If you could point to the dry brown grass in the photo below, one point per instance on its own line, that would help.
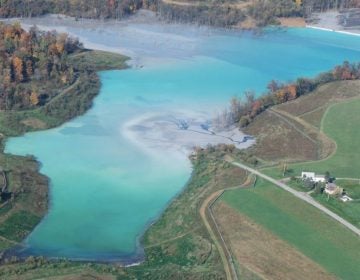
(324, 95)
(326, 146)
(277, 139)
(248, 23)
(34, 123)
(314, 117)
(263, 253)
(291, 131)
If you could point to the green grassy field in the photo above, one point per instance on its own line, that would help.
(18, 225)
(350, 211)
(99, 60)
(341, 124)
(310, 231)
(352, 188)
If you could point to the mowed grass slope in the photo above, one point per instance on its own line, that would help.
(307, 229)
(341, 123)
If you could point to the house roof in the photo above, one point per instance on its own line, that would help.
(331, 186)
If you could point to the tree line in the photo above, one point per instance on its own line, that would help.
(77, 8)
(208, 12)
(242, 111)
(34, 65)
(324, 5)
(266, 12)
(218, 14)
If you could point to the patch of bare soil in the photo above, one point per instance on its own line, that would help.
(248, 23)
(34, 123)
(263, 253)
(292, 22)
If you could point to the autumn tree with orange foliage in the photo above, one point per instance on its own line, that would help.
(33, 59)
(76, 8)
(34, 98)
(18, 66)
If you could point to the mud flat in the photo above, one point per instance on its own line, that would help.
(181, 132)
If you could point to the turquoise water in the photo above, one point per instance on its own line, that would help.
(105, 188)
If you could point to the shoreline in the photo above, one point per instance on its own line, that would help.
(333, 30)
(331, 21)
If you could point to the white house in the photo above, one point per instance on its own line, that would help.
(311, 175)
(333, 189)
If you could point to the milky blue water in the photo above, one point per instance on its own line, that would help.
(105, 188)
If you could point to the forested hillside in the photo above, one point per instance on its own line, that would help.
(244, 13)
(33, 66)
(323, 5)
(243, 111)
(77, 8)
(209, 12)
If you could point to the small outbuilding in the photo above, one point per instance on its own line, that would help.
(346, 198)
(313, 177)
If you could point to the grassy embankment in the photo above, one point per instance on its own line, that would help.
(339, 122)
(317, 132)
(310, 231)
(26, 186)
(292, 133)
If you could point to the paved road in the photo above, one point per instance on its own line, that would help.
(303, 196)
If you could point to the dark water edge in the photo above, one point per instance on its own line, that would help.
(21, 253)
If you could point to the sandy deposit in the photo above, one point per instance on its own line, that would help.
(292, 21)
